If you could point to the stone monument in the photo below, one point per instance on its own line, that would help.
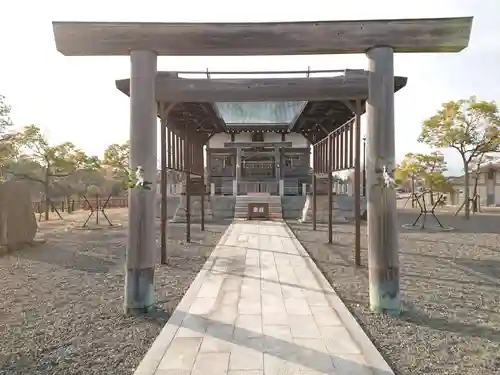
(18, 224)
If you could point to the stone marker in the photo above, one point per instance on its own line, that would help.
(18, 224)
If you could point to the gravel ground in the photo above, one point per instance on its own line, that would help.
(450, 287)
(61, 302)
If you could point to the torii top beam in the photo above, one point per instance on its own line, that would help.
(271, 38)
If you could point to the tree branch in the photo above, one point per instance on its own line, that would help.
(25, 176)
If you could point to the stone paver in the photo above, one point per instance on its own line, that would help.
(261, 307)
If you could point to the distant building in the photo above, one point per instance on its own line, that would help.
(488, 184)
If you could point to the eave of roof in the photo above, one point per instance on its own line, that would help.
(351, 86)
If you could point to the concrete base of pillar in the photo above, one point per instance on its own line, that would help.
(139, 290)
(180, 213)
(384, 295)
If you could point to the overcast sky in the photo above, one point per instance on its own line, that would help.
(74, 98)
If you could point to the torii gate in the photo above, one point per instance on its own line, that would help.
(378, 39)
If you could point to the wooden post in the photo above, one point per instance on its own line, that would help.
(173, 156)
(351, 145)
(383, 259)
(336, 143)
(163, 188)
(238, 171)
(180, 154)
(357, 185)
(209, 166)
(188, 207)
(168, 141)
(203, 206)
(343, 151)
(204, 187)
(187, 169)
(331, 162)
(314, 200)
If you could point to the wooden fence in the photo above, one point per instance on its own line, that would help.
(81, 204)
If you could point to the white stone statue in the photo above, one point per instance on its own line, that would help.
(388, 179)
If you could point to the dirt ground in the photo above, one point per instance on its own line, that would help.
(61, 302)
(449, 285)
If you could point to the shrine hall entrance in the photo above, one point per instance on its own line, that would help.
(258, 172)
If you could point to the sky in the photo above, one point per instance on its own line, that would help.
(75, 99)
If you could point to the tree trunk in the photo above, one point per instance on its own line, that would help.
(47, 208)
(412, 191)
(474, 194)
(46, 192)
(466, 190)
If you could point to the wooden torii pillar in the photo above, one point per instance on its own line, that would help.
(141, 243)
(383, 260)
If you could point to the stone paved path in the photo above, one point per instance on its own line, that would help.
(261, 306)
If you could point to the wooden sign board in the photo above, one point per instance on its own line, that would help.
(196, 186)
(258, 211)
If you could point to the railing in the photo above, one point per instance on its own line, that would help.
(174, 189)
(119, 202)
(307, 73)
(292, 190)
(271, 187)
(335, 152)
(223, 190)
(80, 204)
(258, 165)
(222, 172)
(258, 173)
(296, 171)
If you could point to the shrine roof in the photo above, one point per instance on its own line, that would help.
(312, 106)
(259, 114)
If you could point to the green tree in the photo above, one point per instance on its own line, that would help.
(5, 119)
(426, 170)
(408, 171)
(117, 155)
(7, 138)
(469, 126)
(116, 158)
(432, 167)
(46, 164)
(441, 184)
